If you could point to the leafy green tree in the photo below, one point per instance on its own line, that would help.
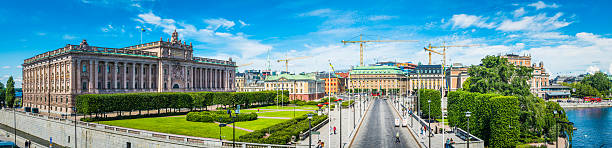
(583, 90)
(2, 95)
(497, 75)
(434, 96)
(598, 81)
(504, 121)
(10, 92)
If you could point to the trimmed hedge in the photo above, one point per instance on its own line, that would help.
(281, 133)
(219, 116)
(436, 103)
(504, 121)
(104, 103)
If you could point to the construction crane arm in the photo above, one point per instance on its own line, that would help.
(433, 51)
(247, 64)
(454, 46)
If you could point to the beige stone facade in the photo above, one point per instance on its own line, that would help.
(387, 78)
(52, 80)
(301, 87)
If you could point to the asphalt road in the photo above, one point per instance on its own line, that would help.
(378, 129)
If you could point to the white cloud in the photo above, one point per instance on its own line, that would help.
(465, 21)
(538, 22)
(6, 67)
(215, 24)
(547, 35)
(68, 37)
(19, 66)
(318, 12)
(41, 33)
(589, 53)
(381, 17)
(242, 23)
(592, 69)
(541, 5)
(226, 44)
(519, 12)
(610, 69)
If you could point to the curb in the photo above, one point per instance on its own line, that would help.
(409, 130)
(360, 122)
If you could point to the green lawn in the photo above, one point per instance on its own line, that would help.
(177, 125)
(259, 123)
(286, 114)
(305, 107)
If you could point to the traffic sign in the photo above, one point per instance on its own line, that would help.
(315, 132)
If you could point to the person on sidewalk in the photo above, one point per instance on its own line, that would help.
(330, 131)
(397, 138)
(334, 130)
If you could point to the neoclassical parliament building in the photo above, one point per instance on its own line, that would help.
(52, 80)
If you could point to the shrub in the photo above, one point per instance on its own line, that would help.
(281, 133)
(219, 116)
(434, 96)
(504, 121)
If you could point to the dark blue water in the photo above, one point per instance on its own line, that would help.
(594, 126)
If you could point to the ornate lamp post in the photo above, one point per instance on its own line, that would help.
(555, 116)
(309, 130)
(468, 114)
(429, 121)
(340, 107)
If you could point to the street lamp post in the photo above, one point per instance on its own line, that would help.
(15, 123)
(309, 130)
(340, 107)
(555, 114)
(74, 109)
(468, 114)
(429, 120)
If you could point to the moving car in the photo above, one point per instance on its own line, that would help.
(397, 122)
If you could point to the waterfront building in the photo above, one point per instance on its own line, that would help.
(305, 87)
(556, 91)
(540, 76)
(378, 78)
(52, 80)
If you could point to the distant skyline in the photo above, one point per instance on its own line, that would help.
(570, 37)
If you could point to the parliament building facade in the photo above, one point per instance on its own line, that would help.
(52, 80)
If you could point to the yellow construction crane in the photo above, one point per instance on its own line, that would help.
(361, 41)
(430, 50)
(290, 59)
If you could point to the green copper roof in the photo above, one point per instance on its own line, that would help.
(376, 70)
(290, 77)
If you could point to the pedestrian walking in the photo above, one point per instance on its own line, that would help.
(258, 110)
(397, 139)
(330, 131)
(334, 130)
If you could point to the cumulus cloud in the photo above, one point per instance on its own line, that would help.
(541, 5)
(592, 69)
(69, 37)
(215, 24)
(538, 22)
(318, 12)
(465, 21)
(610, 69)
(547, 35)
(519, 12)
(225, 43)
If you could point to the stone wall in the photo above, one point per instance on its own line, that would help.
(96, 135)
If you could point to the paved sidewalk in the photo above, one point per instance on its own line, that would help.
(348, 124)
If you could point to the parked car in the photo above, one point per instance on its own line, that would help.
(405, 123)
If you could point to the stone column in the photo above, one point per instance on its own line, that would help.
(133, 84)
(95, 71)
(184, 69)
(201, 78)
(150, 84)
(78, 76)
(124, 76)
(105, 75)
(90, 79)
(142, 75)
(160, 76)
(115, 72)
(169, 84)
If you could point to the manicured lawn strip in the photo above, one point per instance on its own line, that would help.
(177, 125)
(259, 123)
(287, 114)
(305, 107)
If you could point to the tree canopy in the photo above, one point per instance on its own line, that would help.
(598, 81)
(497, 75)
(10, 92)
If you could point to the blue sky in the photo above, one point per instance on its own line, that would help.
(570, 37)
